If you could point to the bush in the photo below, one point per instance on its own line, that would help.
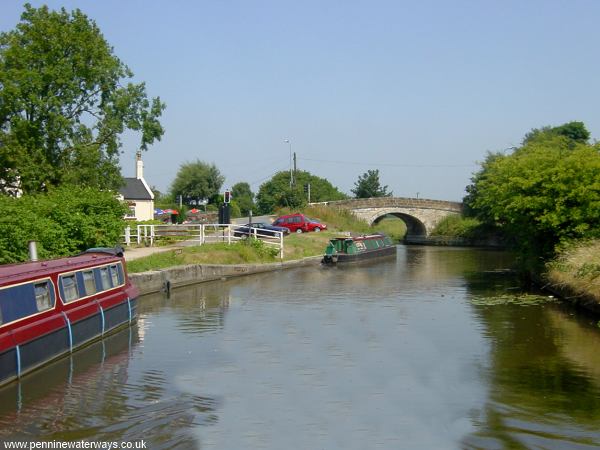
(260, 248)
(65, 221)
(457, 226)
(545, 193)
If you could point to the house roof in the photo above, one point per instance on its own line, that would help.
(135, 189)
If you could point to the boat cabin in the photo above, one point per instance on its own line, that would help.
(356, 245)
(49, 308)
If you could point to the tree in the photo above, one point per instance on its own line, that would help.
(64, 103)
(243, 197)
(368, 186)
(277, 193)
(197, 180)
(545, 193)
(64, 221)
(574, 131)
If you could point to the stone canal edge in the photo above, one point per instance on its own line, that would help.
(167, 279)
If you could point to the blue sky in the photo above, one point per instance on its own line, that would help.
(418, 90)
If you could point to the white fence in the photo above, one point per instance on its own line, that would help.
(200, 234)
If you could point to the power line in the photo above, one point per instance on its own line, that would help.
(267, 177)
(385, 164)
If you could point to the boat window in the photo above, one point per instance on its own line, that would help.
(43, 297)
(105, 278)
(69, 287)
(121, 274)
(17, 302)
(114, 275)
(89, 282)
(349, 247)
(360, 245)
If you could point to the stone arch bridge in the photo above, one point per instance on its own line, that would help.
(420, 215)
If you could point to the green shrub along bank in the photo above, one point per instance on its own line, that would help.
(458, 226)
(542, 195)
(64, 221)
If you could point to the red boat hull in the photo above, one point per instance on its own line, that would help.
(30, 337)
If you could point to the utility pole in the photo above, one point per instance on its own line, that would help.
(294, 181)
(287, 141)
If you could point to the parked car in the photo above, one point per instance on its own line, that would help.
(299, 223)
(263, 229)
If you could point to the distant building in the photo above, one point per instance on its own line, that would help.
(137, 194)
(12, 189)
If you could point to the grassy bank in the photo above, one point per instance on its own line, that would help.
(577, 269)
(296, 246)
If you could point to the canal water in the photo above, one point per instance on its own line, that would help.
(435, 349)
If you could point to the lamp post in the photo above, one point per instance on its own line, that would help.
(287, 141)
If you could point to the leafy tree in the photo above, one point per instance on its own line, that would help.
(368, 186)
(234, 209)
(64, 221)
(574, 131)
(277, 193)
(64, 103)
(545, 193)
(197, 180)
(243, 197)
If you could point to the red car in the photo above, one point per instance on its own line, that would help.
(299, 223)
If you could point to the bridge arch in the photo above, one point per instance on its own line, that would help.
(414, 227)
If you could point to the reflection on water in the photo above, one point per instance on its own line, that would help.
(402, 353)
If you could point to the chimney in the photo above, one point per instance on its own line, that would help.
(139, 165)
(33, 256)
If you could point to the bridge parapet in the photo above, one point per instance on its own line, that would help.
(401, 202)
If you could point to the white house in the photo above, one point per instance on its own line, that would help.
(137, 194)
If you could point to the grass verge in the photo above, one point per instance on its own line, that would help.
(296, 246)
(577, 268)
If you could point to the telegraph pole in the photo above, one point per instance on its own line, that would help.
(294, 181)
(287, 141)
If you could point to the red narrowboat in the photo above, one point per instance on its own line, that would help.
(50, 308)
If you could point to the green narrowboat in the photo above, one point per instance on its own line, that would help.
(349, 249)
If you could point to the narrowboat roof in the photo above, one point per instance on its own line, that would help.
(11, 273)
(360, 238)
